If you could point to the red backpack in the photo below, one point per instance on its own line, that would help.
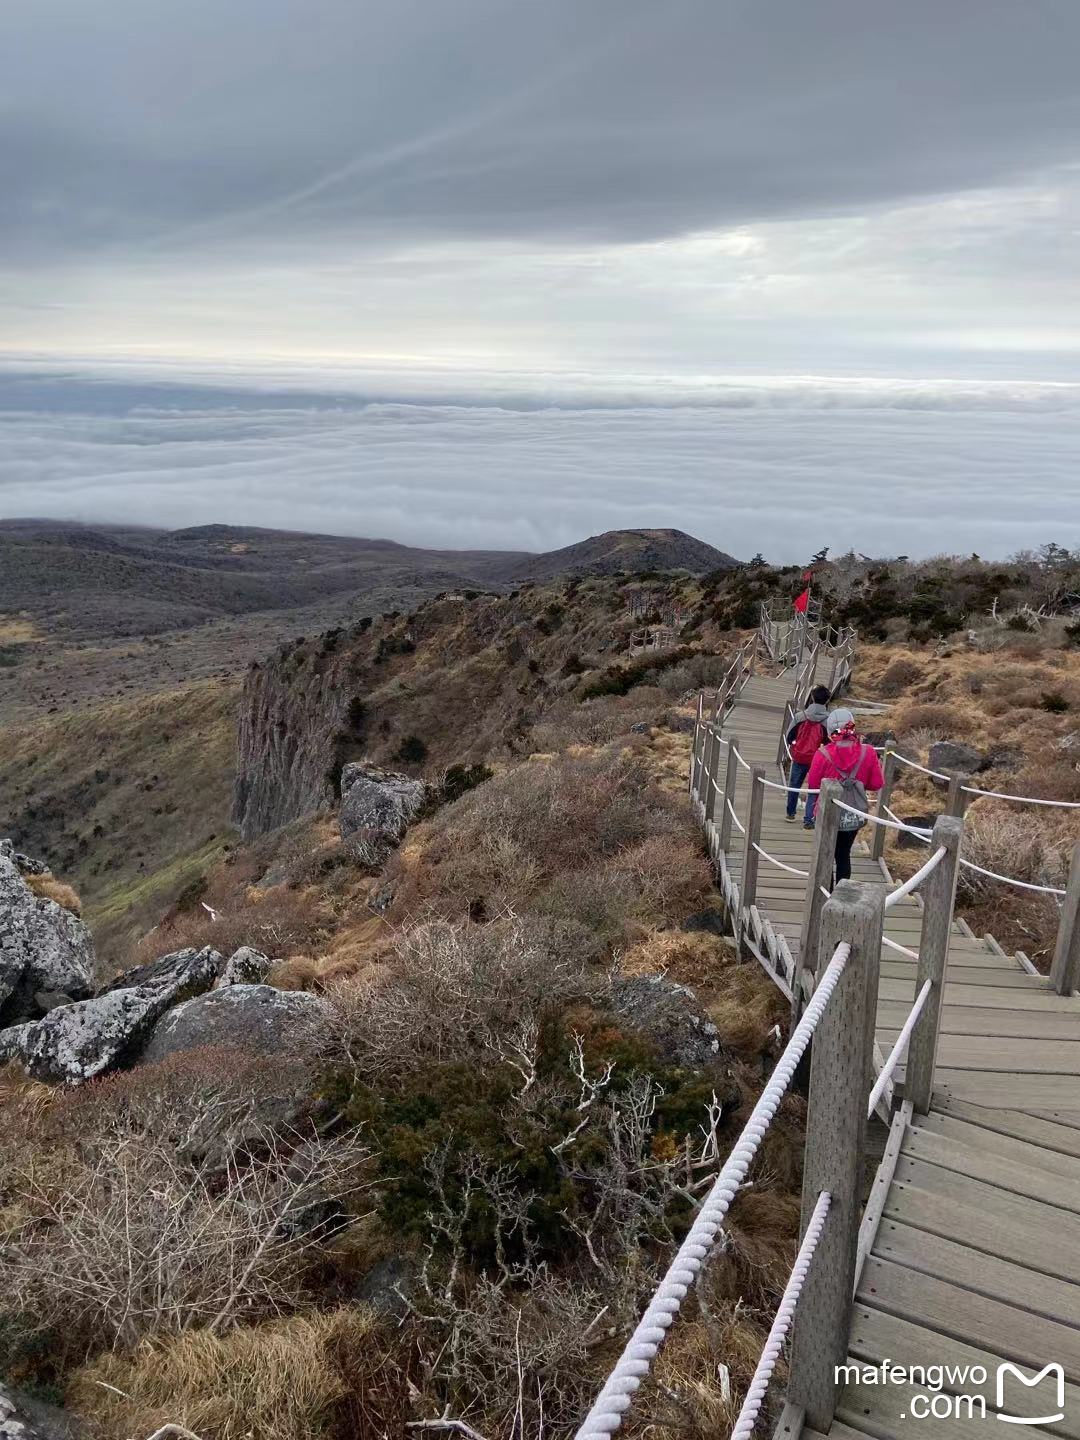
(809, 739)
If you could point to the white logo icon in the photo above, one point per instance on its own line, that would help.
(1055, 1370)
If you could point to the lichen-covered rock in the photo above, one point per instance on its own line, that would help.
(952, 755)
(77, 1042)
(378, 803)
(245, 967)
(253, 1017)
(42, 945)
(669, 1015)
(24, 1418)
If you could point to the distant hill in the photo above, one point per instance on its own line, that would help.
(113, 581)
(630, 550)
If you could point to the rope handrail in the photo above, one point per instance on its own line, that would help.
(979, 793)
(759, 1385)
(1009, 880)
(796, 789)
(1020, 799)
(802, 874)
(914, 765)
(877, 819)
(634, 1363)
(914, 881)
(923, 834)
(735, 819)
(900, 1046)
(901, 949)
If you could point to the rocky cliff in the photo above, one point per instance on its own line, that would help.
(460, 681)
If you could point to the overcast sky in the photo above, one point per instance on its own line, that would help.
(595, 195)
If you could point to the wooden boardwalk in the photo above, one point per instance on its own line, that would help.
(970, 1252)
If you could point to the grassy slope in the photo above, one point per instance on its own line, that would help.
(128, 800)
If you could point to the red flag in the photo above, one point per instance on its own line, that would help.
(802, 601)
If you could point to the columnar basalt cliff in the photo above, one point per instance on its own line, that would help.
(461, 681)
(384, 691)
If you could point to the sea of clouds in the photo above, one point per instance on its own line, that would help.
(782, 465)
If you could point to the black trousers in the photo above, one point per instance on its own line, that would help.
(845, 839)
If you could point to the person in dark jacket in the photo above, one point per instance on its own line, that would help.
(804, 739)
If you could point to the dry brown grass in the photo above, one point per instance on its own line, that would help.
(323, 1374)
(49, 888)
(746, 1010)
(695, 958)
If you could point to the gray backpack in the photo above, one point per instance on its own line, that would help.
(853, 793)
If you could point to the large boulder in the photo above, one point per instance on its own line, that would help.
(251, 1017)
(24, 1418)
(245, 967)
(669, 1015)
(952, 756)
(378, 803)
(43, 947)
(74, 1043)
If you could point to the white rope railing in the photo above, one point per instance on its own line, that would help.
(901, 949)
(900, 1045)
(1010, 880)
(877, 819)
(978, 793)
(802, 874)
(968, 864)
(759, 1385)
(790, 789)
(1020, 799)
(913, 882)
(636, 1359)
(735, 819)
(923, 835)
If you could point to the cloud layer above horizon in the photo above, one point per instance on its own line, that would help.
(839, 187)
(781, 467)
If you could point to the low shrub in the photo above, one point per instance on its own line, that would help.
(411, 751)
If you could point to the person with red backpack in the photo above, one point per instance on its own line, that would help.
(856, 766)
(804, 740)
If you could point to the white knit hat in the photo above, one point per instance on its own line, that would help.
(838, 719)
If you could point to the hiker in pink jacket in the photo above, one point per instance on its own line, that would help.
(847, 759)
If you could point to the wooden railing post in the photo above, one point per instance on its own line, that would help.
(877, 842)
(754, 809)
(938, 892)
(712, 768)
(835, 1147)
(781, 752)
(731, 774)
(1065, 971)
(955, 800)
(695, 758)
(822, 864)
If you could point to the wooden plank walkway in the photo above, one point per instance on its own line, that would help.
(976, 1257)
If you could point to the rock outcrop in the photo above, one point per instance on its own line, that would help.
(670, 1016)
(378, 803)
(952, 755)
(245, 967)
(74, 1043)
(43, 947)
(24, 1418)
(251, 1017)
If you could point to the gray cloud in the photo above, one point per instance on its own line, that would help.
(151, 124)
(883, 467)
